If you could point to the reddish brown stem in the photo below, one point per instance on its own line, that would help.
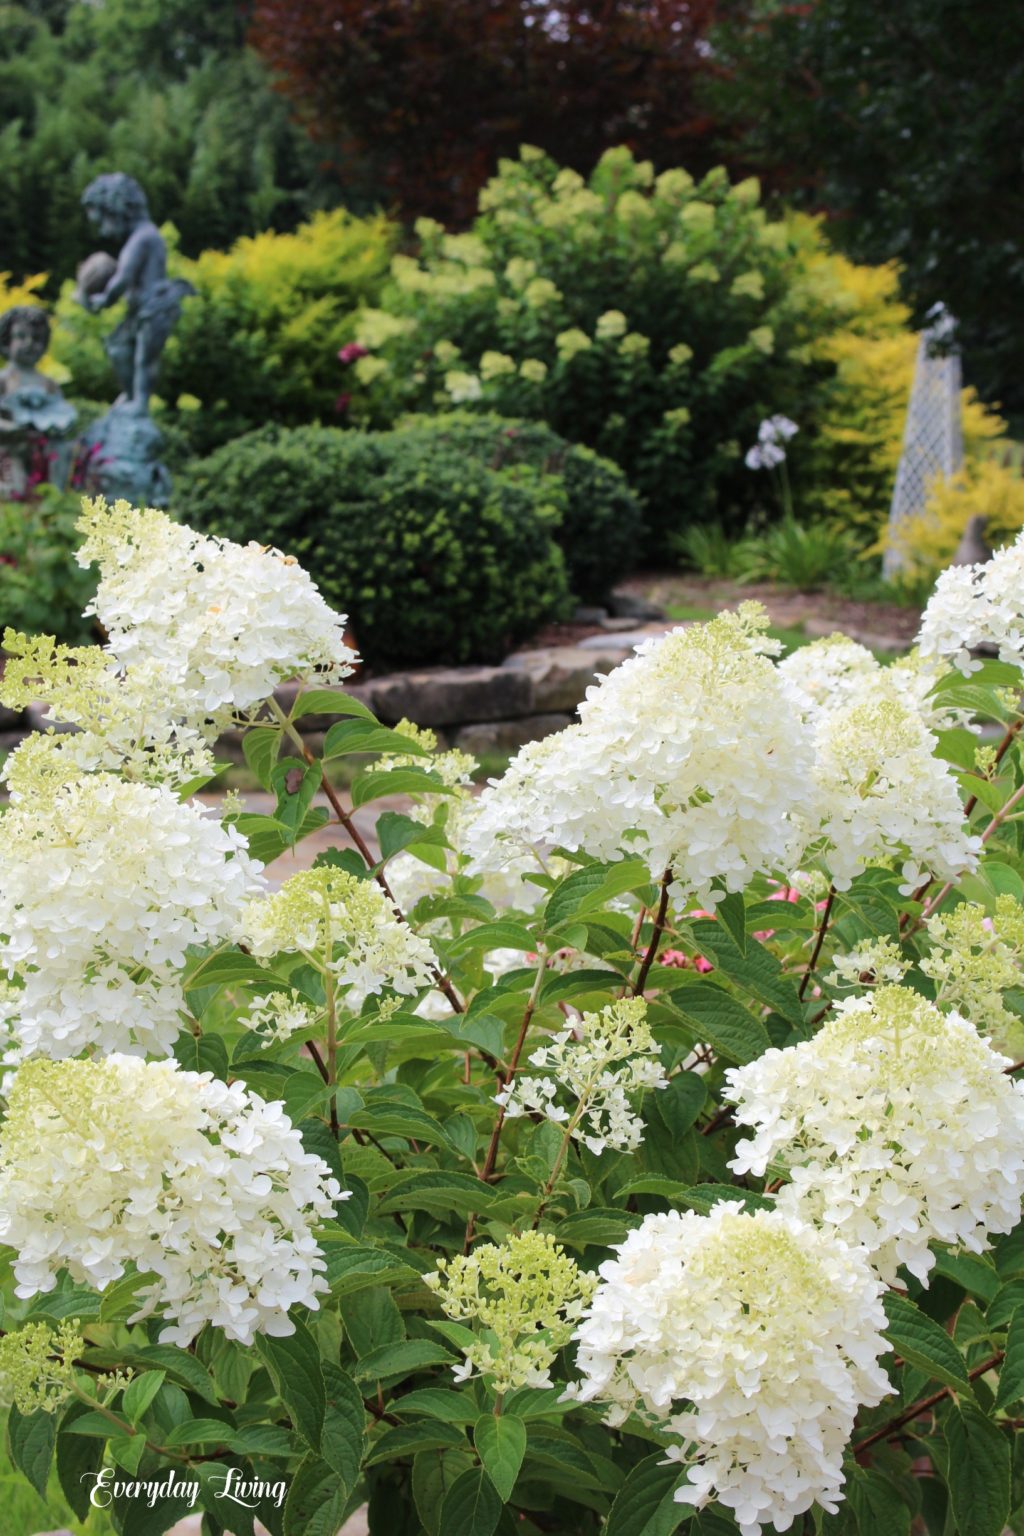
(656, 936)
(819, 941)
(916, 1409)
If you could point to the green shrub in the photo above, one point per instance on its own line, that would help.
(41, 587)
(259, 339)
(655, 319)
(435, 556)
(603, 520)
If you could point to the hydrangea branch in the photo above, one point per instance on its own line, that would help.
(656, 936)
(819, 941)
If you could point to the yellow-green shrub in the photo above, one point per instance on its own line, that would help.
(985, 487)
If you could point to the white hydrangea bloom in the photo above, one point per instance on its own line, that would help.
(344, 925)
(103, 889)
(116, 1162)
(880, 793)
(977, 605)
(872, 962)
(898, 1125)
(755, 1339)
(692, 753)
(829, 672)
(604, 1062)
(226, 621)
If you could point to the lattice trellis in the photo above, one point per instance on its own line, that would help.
(932, 439)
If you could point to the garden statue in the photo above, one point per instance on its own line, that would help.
(35, 419)
(124, 444)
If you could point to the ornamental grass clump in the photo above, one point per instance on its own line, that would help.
(627, 1146)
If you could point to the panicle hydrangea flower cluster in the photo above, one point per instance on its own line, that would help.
(130, 721)
(880, 793)
(276, 1016)
(692, 753)
(344, 925)
(36, 1365)
(768, 1329)
(604, 1062)
(977, 605)
(527, 1295)
(225, 621)
(120, 1161)
(898, 1127)
(871, 963)
(103, 888)
(974, 959)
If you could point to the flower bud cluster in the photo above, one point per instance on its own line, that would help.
(604, 1062)
(526, 1294)
(36, 1365)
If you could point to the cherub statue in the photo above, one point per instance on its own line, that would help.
(33, 412)
(116, 207)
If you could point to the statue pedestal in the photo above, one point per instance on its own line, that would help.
(121, 453)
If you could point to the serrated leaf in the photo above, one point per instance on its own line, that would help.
(923, 1343)
(472, 1506)
(200, 1432)
(294, 1366)
(396, 832)
(226, 968)
(730, 913)
(359, 735)
(501, 934)
(344, 1432)
(377, 782)
(260, 746)
(879, 1509)
(1011, 1374)
(979, 1471)
(77, 1459)
(600, 1227)
(501, 1445)
(436, 1403)
(721, 1021)
(591, 887)
(328, 701)
(679, 1105)
(439, 1191)
(384, 1116)
(31, 1438)
(315, 1504)
(295, 784)
(394, 1361)
(140, 1392)
(644, 1505)
(757, 971)
(413, 1439)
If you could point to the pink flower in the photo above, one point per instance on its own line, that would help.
(674, 957)
(702, 965)
(351, 352)
(342, 403)
(785, 893)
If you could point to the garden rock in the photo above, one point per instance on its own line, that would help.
(625, 640)
(629, 605)
(508, 735)
(448, 695)
(560, 675)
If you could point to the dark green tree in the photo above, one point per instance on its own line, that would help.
(165, 90)
(903, 122)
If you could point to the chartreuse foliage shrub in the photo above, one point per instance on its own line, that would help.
(259, 340)
(636, 1147)
(602, 518)
(438, 557)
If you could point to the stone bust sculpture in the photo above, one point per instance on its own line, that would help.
(116, 207)
(32, 407)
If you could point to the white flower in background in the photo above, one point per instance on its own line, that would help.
(898, 1125)
(977, 605)
(129, 721)
(768, 451)
(344, 925)
(526, 1293)
(226, 621)
(462, 387)
(103, 889)
(276, 1016)
(116, 1162)
(754, 1339)
(878, 792)
(691, 754)
(604, 1062)
(974, 959)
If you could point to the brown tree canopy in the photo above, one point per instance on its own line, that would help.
(428, 93)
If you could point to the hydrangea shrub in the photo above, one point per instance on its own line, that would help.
(634, 1147)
